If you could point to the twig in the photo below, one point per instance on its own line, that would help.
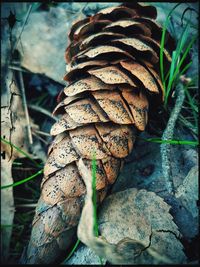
(40, 138)
(26, 18)
(33, 205)
(167, 135)
(42, 133)
(25, 108)
(12, 67)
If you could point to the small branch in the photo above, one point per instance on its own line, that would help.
(42, 133)
(33, 205)
(12, 67)
(25, 21)
(25, 108)
(167, 135)
(40, 138)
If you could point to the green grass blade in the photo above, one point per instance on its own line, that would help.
(162, 44)
(94, 167)
(171, 72)
(173, 142)
(185, 55)
(20, 151)
(185, 69)
(23, 181)
(182, 40)
(175, 58)
(189, 125)
(94, 170)
(73, 250)
(6, 225)
(174, 73)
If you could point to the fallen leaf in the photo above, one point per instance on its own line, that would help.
(36, 51)
(135, 231)
(187, 192)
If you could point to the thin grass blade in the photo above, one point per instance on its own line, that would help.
(20, 151)
(23, 181)
(173, 142)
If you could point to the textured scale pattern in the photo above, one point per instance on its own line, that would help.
(112, 70)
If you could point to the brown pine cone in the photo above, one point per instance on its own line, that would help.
(112, 71)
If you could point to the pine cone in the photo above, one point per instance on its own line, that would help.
(112, 72)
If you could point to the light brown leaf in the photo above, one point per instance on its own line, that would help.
(135, 231)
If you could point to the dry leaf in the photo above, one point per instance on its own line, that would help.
(132, 224)
(187, 192)
(14, 130)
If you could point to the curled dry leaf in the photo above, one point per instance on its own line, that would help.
(134, 230)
